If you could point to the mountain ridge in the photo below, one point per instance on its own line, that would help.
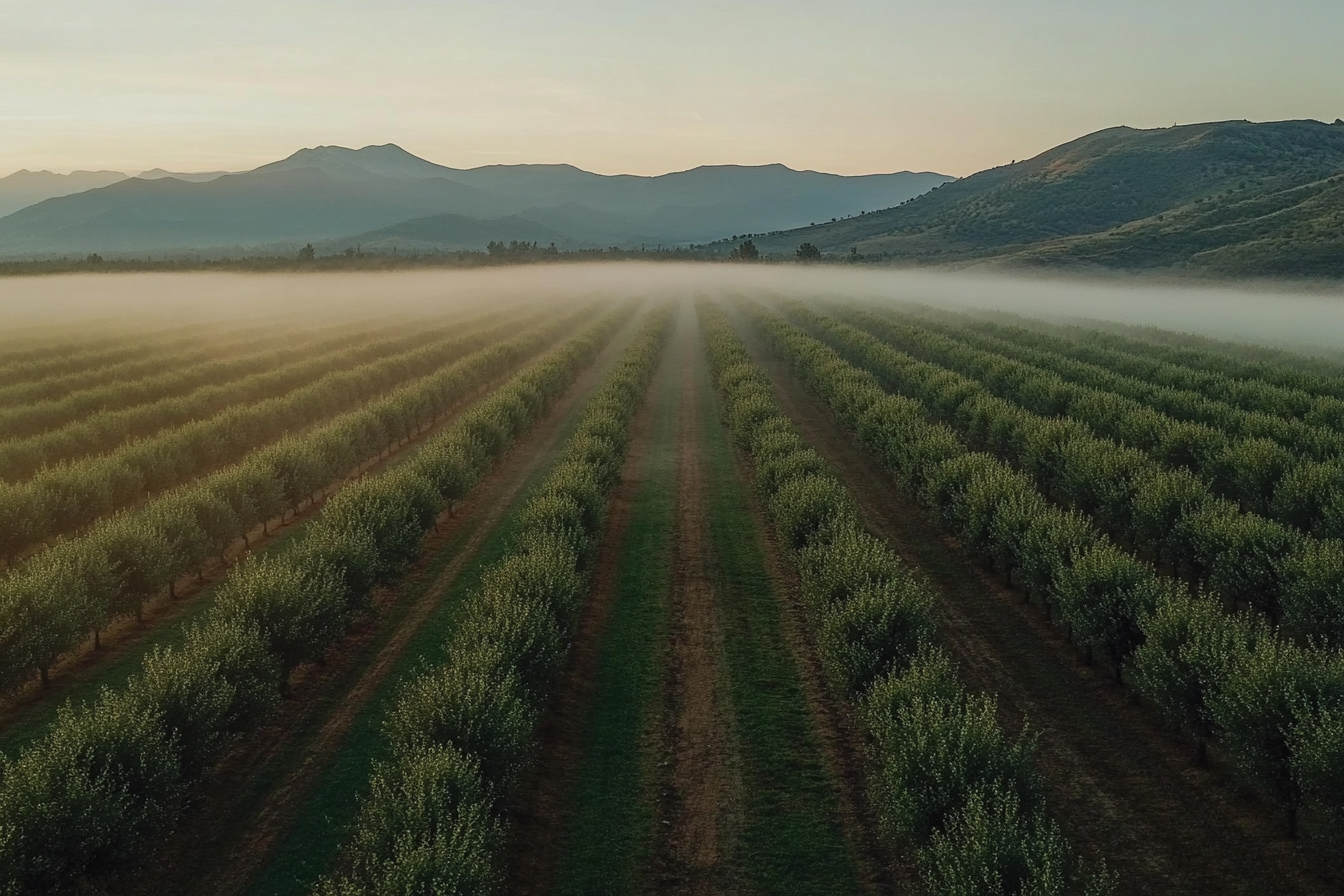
(329, 193)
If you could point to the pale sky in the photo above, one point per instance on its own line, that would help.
(856, 86)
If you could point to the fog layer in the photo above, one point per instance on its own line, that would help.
(28, 306)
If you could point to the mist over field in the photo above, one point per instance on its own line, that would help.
(1287, 315)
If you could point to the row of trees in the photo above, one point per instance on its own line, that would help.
(1313, 404)
(67, 498)
(1244, 557)
(54, 602)
(84, 359)
(221, 367)
(1276, 706)
(136, 358)
(110, 429)
(945, 776)
(1238, 360)
(1208, 422)
(1296, 420)
(1261, 475)
(432, 820)
(88, 798)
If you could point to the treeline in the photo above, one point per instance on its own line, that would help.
(60, 597)
(91, 796)
(432, 819)
(944, 776)
(364, 260)
(1275, 705)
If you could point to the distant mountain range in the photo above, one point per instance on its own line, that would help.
(385, 197)
(1232, 198)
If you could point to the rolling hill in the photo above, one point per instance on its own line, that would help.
(24, 188)
(334, 193)
(1226, 197)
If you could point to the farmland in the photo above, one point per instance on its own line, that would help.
(664, 584)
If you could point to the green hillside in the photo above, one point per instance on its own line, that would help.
(1228, 197)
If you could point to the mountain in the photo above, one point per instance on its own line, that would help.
(346, 195)
(196, 177)
(25, 188)
(1230, 197)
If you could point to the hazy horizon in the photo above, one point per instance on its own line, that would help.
(853, 87)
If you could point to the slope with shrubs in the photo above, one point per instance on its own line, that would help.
(945, 778)
(90, 797)
(431, 821)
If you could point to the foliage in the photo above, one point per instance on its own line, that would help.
(1232, 677)
(84, 800)
(461, 733)
(935, 747)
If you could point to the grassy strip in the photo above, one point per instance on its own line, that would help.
(609, 836)
(791, 839)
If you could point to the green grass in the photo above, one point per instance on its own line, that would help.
(791, 840)
(609, 836)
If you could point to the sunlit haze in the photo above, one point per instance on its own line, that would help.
(849, 87)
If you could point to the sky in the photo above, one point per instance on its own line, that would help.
(848, 86)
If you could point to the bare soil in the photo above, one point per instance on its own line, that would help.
(700, 805)
(1121, 786)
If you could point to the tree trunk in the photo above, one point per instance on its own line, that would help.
(97, 640)
(46, 678)
(1290, 819)
(1201, 752)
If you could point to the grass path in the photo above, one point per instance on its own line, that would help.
(789, 836)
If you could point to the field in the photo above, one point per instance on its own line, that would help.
(664, 585)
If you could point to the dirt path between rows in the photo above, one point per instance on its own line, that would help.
(700, 801)
(126, 634)
(539, 811)
(1121, 787)
(206, 858)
